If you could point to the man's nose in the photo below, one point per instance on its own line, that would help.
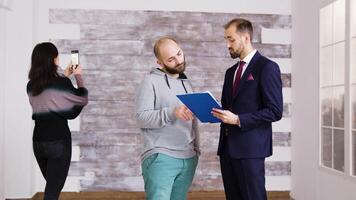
(178, 61)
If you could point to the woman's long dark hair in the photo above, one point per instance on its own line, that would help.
(43, 68)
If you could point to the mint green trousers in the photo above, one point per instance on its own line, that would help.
(168, 178)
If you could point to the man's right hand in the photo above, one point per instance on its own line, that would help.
(183, 113)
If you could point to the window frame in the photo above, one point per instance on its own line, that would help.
(349, 163)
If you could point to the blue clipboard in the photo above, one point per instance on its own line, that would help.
(201, 104)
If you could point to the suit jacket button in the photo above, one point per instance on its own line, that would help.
(226, 131)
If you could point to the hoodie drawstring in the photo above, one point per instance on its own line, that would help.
(185, 89)
(166, 78)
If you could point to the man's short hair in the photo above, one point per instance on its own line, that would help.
(158, 44)
(242, 25)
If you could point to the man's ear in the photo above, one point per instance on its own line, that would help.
(247, 38)
(159, 63)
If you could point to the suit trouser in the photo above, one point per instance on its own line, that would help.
(166, 177)
(244, 179)
(53, 159)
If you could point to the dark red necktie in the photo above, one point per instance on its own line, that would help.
(237, 78)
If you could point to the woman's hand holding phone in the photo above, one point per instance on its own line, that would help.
(74, 66)
(77, 70)
(69, 70)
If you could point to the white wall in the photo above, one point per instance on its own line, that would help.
(309, 181)
(26, 25)
(305, 100)
(16, 122)
(2, 64)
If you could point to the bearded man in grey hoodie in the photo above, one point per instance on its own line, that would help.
(169, 129)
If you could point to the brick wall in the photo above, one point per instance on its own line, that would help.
(116, 53)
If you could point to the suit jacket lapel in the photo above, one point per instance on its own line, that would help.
(248, 70)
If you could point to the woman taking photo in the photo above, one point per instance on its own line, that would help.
(54, 100)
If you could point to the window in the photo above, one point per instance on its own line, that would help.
(332, 84)
(337, 66)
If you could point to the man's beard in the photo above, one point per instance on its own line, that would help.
(178, 69)
(233, 53)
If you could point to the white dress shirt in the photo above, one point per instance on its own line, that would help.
(247, 61)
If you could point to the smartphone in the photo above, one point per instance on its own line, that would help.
(74, 54)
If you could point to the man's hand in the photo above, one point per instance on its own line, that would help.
(226, 116)
(183, 113)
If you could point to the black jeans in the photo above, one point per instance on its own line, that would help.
(53, 158)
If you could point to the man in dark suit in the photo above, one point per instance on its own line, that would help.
(251, 101)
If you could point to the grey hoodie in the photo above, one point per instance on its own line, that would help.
(162, 131)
